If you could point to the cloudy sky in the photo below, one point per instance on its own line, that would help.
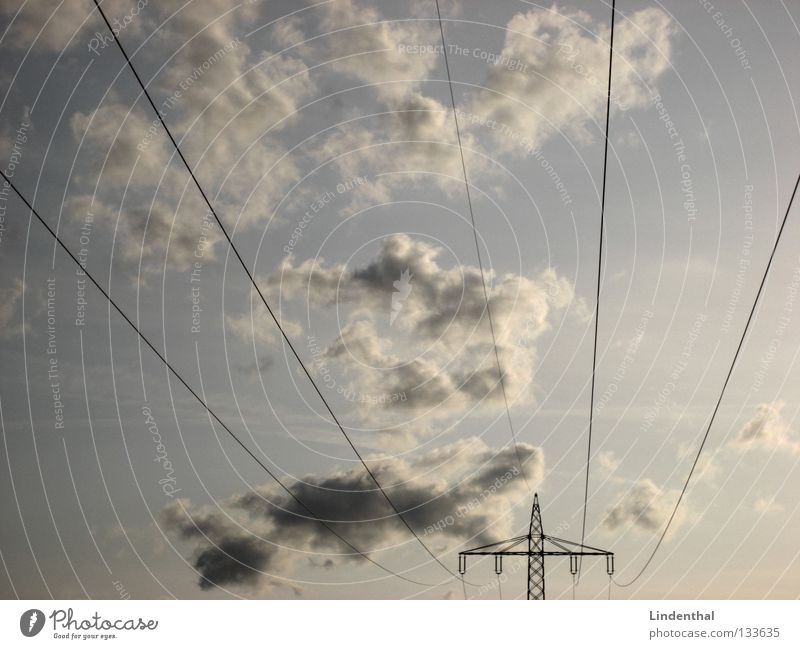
(324, 136)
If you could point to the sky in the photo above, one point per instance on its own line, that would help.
(323, 134)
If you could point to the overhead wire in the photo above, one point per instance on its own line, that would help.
(599, 281)
(722, 391)
(594, 354)
(477, 244)
(597, 302)
(199, 399)
(264, 300)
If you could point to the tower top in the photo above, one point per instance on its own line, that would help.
(536, 518)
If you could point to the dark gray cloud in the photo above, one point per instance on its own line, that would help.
(456, 493)
(223, 554)
(10, 318)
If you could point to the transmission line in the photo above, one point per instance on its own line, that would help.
(599, 277)
(211, 412)
(477, 245)
(722, 392)
(264, 300)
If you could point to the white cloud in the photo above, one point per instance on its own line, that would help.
(431, 357)
(153, 232)
(55, 26)
(767, 506)
(608, 462)
(644, 507)
(563, 86)
(111, 136)
(767, 429)
(708, 469)
(366, 47)
(413, 138)
(218, 95)
(260, 327)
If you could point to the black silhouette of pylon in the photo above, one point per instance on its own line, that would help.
(538, 547)
(536, 553)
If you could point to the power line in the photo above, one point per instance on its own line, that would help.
(263, 299)
(599, 277)
(180, 378)
(477, 245)
(722, 392)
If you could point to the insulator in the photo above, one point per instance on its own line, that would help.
(498, 563)
(462, 564)
(610, 564)
(573, 564)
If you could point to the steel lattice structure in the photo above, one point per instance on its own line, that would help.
(536, 545)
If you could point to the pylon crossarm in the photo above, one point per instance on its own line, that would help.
(564, 548)
(528, 553)
(593, 550)
(570, 553)
(508, 544)
(556, 543)
(499, 553)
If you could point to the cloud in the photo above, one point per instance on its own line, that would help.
(160, 214)
(223, 95)
(249, 327)
(456, 493)
(410, 143)
(444, 303)
(155, 231)
(708, 469)
(224, 555)
(411, 138)
(429, 352)
(644, 507)
(256, 367)
(608, 462)
(365, 46)
(111, 136)
(562, 85)
(218, 95)
(53, 27)
(767, 506)
(9, 297)
(767, 429)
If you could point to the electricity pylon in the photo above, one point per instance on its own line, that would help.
(538, 547)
